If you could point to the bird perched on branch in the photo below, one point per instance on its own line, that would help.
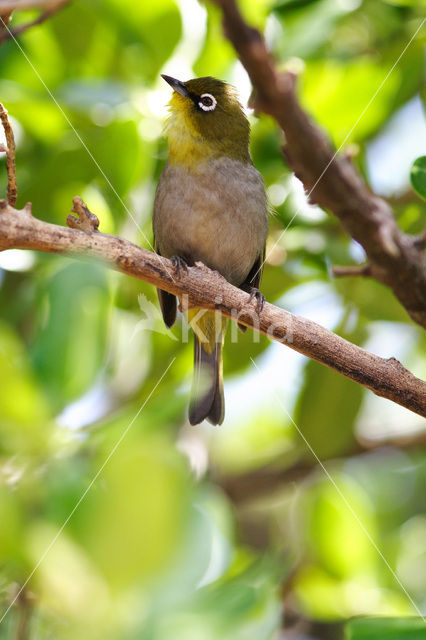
(210, 206)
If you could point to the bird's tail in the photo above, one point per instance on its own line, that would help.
(207, 400)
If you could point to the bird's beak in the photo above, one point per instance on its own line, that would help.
(177, 85)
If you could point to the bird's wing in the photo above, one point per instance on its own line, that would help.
(253, 279)
(255, 274)
(167, 300)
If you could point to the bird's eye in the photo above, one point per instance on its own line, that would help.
(207, 102)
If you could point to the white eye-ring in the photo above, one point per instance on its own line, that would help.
(207, 102)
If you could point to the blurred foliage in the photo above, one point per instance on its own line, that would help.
(402, 629)
(115, 508)
(418, 176)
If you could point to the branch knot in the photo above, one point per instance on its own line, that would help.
(86, 221)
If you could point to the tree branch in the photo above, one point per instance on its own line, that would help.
(396, 259)
(12, 189)
(363, 270)
(252, 484)
(24, 606)
(7, 7)
(201, 287)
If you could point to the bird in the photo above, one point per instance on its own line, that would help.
(210, 206)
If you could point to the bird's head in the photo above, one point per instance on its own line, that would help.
(206, 120)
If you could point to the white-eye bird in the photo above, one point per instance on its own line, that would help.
(210, 206)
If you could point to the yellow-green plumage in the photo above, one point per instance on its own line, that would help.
(210, 206)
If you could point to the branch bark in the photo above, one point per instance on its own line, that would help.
(7, 7)
(201, 287)
(12, 188)
(396, 259)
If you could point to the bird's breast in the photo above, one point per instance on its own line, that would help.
(216, 214)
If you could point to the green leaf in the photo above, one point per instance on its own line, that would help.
(214, 60)
(326, 85)
(373, 301)
(70, 344)
(418, 176)
(307, 28)
(387, 629)
(217, 55)
(332, 529)
(326, 410)
(24, 410)
(241, 607)
(143, 503)
(407, 3)
(153, 28)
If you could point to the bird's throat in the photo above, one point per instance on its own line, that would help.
(188, 148)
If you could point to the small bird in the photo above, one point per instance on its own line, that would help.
(210, 206)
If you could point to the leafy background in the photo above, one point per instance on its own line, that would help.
(201, 532)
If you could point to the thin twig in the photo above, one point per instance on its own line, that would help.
(12, 5)
(12, 189)
(5, 19)
(24, 606)
(363, 270)
(52, 8)
(202, 288)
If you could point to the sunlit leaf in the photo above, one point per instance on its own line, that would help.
(407, 3)
(336, 532)
(326, 85)
(387, 628)
(213, 60)
(24, 409)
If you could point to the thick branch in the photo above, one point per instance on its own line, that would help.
(396, 259)
(206, 289)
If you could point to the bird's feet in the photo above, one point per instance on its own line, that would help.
(256, 294)
(179, 265)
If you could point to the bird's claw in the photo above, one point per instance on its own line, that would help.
(179, 265)
(256, 294)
